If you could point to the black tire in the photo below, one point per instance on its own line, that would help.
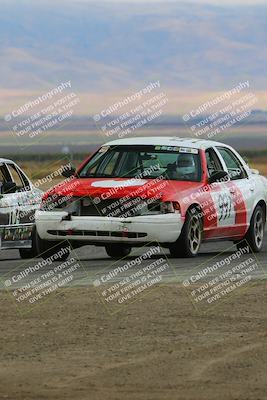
(47, 249)
(117, 250)
(32, 252)
(27, 253)
(255, 234)
(189, 242)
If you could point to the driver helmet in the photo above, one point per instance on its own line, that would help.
(185, 164)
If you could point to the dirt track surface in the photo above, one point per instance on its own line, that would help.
(158, 348)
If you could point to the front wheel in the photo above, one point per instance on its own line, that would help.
(117, 250)
(32, 252)
(190, 240)
(26, 254)
(255, 234)
(49, 249)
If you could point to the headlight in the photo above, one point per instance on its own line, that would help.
(167, 207)
(163, 207)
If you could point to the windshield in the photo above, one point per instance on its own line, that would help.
(171, 162)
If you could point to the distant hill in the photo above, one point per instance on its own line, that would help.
(103, 47)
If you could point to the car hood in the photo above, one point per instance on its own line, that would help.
(104, 188)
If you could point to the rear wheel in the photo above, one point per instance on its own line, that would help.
(255, 235)
(189, 242)
(27, 253)
(117, 250)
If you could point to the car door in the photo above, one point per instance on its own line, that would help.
(221, 213)
(5, 204)
(18, 203)
(242, 188)
(8, 206)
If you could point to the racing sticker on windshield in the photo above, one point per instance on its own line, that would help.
(188, 150)
(167, 148)
(176, 149)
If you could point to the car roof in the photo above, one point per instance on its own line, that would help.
(5, 160)
(167, 141)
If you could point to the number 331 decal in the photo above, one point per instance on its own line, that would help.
(225, 206)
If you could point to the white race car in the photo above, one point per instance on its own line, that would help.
(19, 200)
(177, 192)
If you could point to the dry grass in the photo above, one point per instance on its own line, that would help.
(261, 166)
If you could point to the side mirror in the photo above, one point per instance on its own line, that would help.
(68, 173)
(255, 171)
(219, 176)
(8, 187)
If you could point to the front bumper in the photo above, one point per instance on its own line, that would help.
(163, 228)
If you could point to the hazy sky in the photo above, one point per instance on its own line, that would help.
(221, 3)
(215, 2)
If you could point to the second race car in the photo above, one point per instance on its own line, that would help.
(19, 200)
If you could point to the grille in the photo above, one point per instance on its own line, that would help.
(121, 208)
(130, 235)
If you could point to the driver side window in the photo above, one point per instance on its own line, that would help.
(20, 181)
(213, 162)
(4, 175)
(234, 166)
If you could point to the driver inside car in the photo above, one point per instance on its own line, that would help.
(184, 168)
